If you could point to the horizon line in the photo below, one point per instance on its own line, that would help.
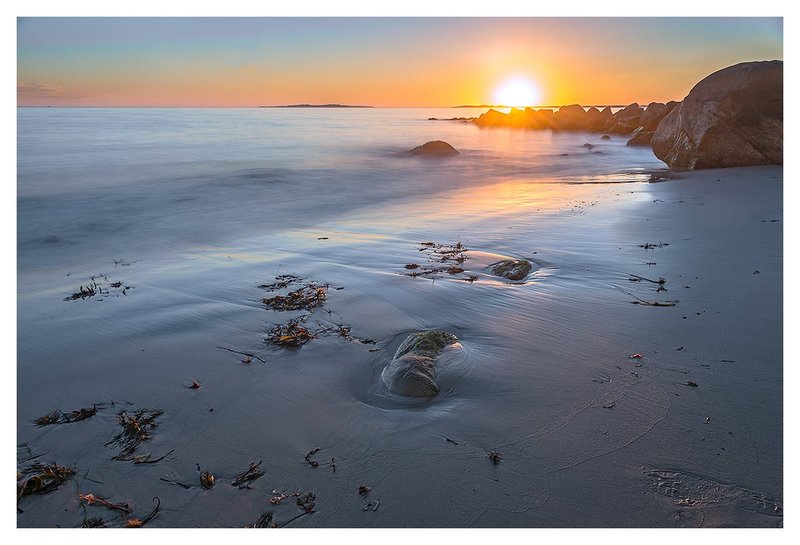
(342, 107)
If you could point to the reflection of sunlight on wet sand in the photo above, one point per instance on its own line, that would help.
(474, 205)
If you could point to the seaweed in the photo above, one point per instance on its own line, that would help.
(91, 499)
(136, 428)
(263, 521)
(98, 285)
(244, 479)
(138, 523)
(308, 456)
(494, 456)
(651, 245)
(442, 258)
(207, 480)
(248, 356)
(290, 334)
(60, 417)
(364, 490)
(281, 282)
(304, 298)
(41, 478)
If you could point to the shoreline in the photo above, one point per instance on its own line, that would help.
(546, 379)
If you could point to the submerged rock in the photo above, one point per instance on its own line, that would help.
(734, 117)
(412, 370)
(513, 269)
(434, 148)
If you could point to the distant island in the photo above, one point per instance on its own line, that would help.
(316, 106)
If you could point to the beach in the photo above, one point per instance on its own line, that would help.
(604, 409)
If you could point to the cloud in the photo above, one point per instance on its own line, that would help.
(43, 90)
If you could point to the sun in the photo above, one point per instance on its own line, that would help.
(517, 91)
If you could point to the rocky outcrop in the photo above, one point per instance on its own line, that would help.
(734, 117)
(412, 370)
(513, 269)
(567, 118)
(435, 148)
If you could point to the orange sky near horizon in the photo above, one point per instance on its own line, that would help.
(379, 62)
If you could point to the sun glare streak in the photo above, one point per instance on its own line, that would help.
(517, 92)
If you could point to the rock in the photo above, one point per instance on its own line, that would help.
(605, 137)
(492, 118)
(733, 117)
(434, 148)
(641, 138)
(570, 118)
(412, 370)
(671, 105)
(596, 120)
(513, 269)
(652, 116)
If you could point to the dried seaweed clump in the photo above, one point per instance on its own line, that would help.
(41, 478)
(304, 298)
(136, 428)
(291, 334)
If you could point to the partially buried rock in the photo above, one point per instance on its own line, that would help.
(513, 269)
(412, 370)
(435, 148)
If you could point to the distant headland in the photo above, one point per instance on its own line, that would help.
(316, 106)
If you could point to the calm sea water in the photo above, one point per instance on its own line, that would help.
(124, 182)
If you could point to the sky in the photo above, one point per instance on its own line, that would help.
(400, 62)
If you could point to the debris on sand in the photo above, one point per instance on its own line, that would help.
(609, 405)
(207, 480)
(651, 245)
(307, 502)
(244, 479)
(654, 303)
(99, 285)
(442, 258)
(363, 490)
(194, 385)
(136, 428)
(372, 506)
(635, 356)
(281, 282)
(91, 499)
(60, 417)
(264, 521)
(248, 356)
(138, 523)
(303, 298)
(691, 383)
(308, 456)
(291, 334)
(41, 478)
(494, 456)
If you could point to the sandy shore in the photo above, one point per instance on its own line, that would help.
(690, 434)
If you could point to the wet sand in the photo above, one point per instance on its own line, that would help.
(690, 434)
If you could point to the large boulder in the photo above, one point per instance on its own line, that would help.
(734, 117)
(435, 148)
(412, 370)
